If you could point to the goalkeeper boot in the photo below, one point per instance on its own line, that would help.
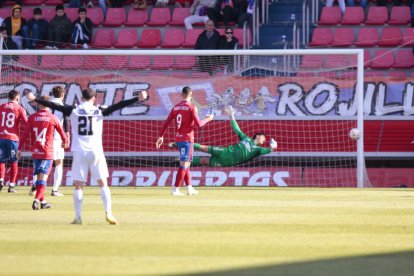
(191, 191)
(172, 145)
(35, 204)
(111, 219)
(176, 192)
(77, 221)
(45, 205)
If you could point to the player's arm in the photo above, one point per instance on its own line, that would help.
(142, 96)
(272, 147)
(65, 109)
(62, 134)
(164, 126)
(66, 127)
(230, 111)
(198, 122)
(23, 138)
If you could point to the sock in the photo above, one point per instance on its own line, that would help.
(2, 170)
(77, 202)
(13, 172)
(197, 146)
(40, 190)
(57, 177)
(187, 177)
(179, 177)
(106, 199)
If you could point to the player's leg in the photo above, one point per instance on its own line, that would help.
(187, 177)
(100, 173)
(41, 170)
(80, 168)
(200, 161)
(184, 151)
(12, 147)
(58, 156)
(3, 159)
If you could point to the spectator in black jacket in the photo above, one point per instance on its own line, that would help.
(228, 42)
(82, 29)
(207, 40)
(14, 25)
(60, 29)
(8, 44)
(226, 11)
(35, 30)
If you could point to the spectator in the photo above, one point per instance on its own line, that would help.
(14, 25)
(207, 40)
(60, 28)
(228, 42)
(226, 11)
(161, 3)
(198, 12)
(82, 30)
(362, 3)
(247, 13)
(88, 4)
(183, 3)
(329, 3)
(385, 2)
(8, 44)
(35, 30)
(140, 4)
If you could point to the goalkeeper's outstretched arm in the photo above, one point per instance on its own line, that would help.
(230, 111)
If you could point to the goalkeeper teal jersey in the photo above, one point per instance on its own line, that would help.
(237, 154)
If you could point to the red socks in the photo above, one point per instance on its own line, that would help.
(13, 172)
(40, 192)
(179, 178)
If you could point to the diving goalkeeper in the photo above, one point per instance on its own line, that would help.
(247, 149)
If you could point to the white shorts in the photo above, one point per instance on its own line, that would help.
(83, 161)
(58, 151)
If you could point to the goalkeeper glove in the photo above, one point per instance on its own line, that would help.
(230, 111)
(273, 144)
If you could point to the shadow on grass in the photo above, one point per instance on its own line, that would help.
(391, 264)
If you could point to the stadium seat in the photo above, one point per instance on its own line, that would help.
(127, 38)
(139, 62)
(404, 59)
(173, 38)
(336, 61)
(5, 12)
(238, 33)
(390, 37)
(150, 38)
(353, 60)
(343, 37)
(397, 74)
(136, 17)
(159, 17)
(185, 62)
(383, 59)
(312, 62)
(94, 62)
(178, 16)
(72, 13)
(191, 37)
(48, 13)
(377, 16)
(51, 62)
(115, 17)
(32, 3)
(353, 16)
(53, 2)
(330, 16)
(408, 37)
(104, 38)
(367, 37)
(400, 15)
(72, 62)
(29, 61)
(117, 62)
(96, 15)
(162, 62)
(27, 13)
(321, 37)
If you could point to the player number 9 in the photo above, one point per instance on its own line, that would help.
(179, 119)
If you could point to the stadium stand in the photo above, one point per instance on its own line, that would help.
(173, 38)
(115, 17)
(353, 16)
(343, 37)
(127, 38)
(136, 18)
(159, 17)
(330, 16)
(150, 38)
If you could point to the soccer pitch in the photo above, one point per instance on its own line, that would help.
(226, 231)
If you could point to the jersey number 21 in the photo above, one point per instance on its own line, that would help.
(85, 125)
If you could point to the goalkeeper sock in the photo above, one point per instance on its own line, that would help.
(180, 177)
(106, 199)
(197, 146)
(187, 177)
(77, 202)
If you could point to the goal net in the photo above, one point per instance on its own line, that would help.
(307, 100)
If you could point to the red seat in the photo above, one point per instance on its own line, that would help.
(32, 3)
(397, 74)
(53, 2)
(162, 62)
(139, 62)
(159, 17)
(400, 15)
(178, 16)
(383, 59)
(96, 15)
(72, 13)
(94, 62)
(127, 38)
(404, 59)
(367, 37)
(191, 37)
(353, 16)
(238, 33)
(72, 62)
(28, 61)
(377, 16)
(321, 37)
(51, 62)
(330, 16)
(5, 12)
(27, 13)
(116, 62)
(136, 17)
(336, 61)
(48, 13)
(343, 37)
(150, 38)
(390, 37)
(312, 62)
(367, 60)
(104, 38)
(173, 38)
(408, 37)
(115, 17)
(185, 62)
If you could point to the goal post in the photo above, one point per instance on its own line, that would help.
(308, 111)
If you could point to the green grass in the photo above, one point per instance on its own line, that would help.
(227, 231)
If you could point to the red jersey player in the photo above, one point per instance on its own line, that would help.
(11, 115)
(41, 126)
(186, 119)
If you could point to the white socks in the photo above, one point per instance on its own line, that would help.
(106, 199)
(77, 202)
(58, 175)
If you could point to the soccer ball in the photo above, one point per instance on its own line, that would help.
(354, 134)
